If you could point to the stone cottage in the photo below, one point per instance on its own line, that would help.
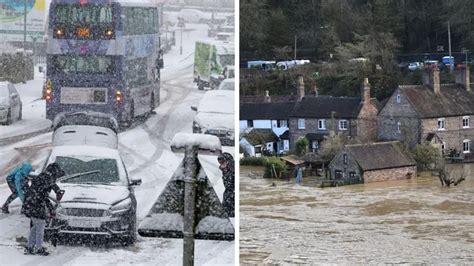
(373, 162)
(314, 117)
(414, 112)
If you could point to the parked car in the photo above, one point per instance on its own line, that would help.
(10, 103)
(415, 66)
(194, 16)
(215, 116)
(99, 195)
(227, 85)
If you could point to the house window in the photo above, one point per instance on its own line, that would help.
(282, 123)
(343, 124)
(465, 122)
(249, 123)
(337, 174)
(352, 174)
(301, 123)
(441, 124)
(398, 98)
(399, 127)
(466, 146)
(258, 149)
(344, 158)
(322, 124)
(443, 146)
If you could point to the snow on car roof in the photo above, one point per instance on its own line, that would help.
(215, 121)
(217, 101)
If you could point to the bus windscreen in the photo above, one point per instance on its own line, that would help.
(79, 14)
(96, 64)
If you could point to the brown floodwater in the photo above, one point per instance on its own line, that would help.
(407, 221)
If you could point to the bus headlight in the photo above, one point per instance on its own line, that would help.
(118, 97)
(59, 32)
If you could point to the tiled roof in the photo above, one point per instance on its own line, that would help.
(266, 111)
(260, 136)
(453, 100)
(380, 155)
(323, 106)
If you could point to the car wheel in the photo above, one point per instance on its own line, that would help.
(132, 234)
(9, 116)
(131, 115)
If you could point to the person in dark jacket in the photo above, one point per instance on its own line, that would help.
(36, 202)
(226, 164)
(54, 171)
(17, 181)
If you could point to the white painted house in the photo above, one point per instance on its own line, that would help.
(259, 141)
(268, 115)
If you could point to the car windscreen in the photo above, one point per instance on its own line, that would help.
(4, 94)
(87, 169)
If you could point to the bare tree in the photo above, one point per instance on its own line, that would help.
(448, 178)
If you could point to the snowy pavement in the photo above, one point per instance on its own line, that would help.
(146, 151)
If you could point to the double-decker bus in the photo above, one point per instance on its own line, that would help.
(103, 56)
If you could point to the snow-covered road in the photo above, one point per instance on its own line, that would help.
(147, 155)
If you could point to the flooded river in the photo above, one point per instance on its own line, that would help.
(408, 221)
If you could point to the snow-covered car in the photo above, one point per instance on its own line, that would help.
(99, 195)
(194, 16)
(10, 103)
(215, 116)
(227, 85)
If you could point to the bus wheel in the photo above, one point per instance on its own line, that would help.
(152, 104)
(131, 115)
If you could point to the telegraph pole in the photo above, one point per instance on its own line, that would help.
(451, 65)
(24, 38)
(295, 48)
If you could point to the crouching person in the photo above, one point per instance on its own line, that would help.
(36, 203)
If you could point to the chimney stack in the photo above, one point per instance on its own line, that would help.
(365, 92)
(315, 89)
(267, 99)
(431, 78)
(300, 89)
(462, 77)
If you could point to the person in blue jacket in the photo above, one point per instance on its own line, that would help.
(17, 181)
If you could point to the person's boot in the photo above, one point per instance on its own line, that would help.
(5, 209)
(29, 251)
(42, 252)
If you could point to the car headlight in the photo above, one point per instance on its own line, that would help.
(121, 206)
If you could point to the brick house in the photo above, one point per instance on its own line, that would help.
(373, 162)
(414, 112)
(314, 117)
